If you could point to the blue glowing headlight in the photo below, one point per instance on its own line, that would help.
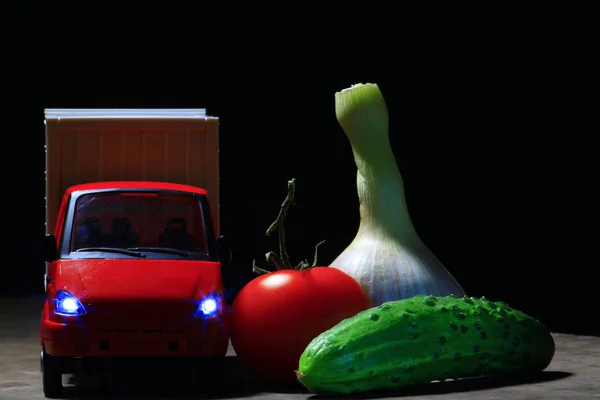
(209, 306)
(66, 304)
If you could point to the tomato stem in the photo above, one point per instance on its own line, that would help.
(257, 270)
(282, 261)
(316, 258)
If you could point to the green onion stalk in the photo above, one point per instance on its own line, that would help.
(387, 257)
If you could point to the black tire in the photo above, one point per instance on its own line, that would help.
(51, 375)
(213, 371)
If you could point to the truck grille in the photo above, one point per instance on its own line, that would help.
(143, 316)
(139, 313)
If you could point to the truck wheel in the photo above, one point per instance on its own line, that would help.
(213, 372)
(51, 375)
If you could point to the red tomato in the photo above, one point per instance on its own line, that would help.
(276, 315)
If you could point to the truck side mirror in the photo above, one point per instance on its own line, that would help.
(224, 249)
(50, 250)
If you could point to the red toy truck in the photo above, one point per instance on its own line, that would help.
(132, 248)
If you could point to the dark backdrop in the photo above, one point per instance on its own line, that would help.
(485, 103)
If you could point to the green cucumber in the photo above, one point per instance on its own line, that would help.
(423, 339)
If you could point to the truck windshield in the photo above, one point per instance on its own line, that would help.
(152, 221)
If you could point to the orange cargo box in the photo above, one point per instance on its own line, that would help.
(166, 145)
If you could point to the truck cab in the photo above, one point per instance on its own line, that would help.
(133, 267)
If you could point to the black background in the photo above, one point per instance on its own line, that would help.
(487, 111)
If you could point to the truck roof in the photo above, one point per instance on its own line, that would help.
(136, 185)
(111, 113)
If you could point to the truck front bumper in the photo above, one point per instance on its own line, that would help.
(199, 338)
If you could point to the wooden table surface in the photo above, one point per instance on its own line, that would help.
(574, 374)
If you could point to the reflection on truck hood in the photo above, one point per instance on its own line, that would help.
(137, 279)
